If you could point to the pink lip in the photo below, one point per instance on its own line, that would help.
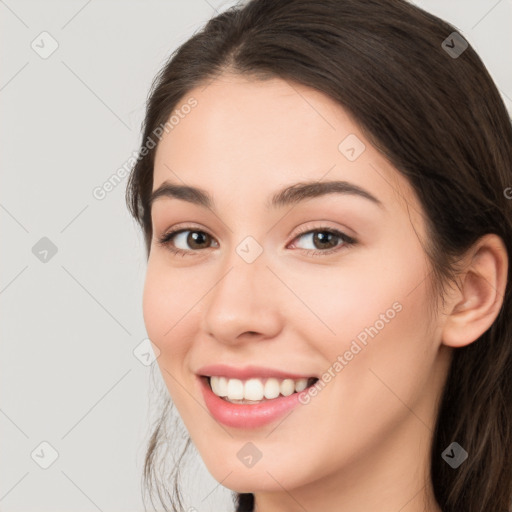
(246, 415)
(223, 370)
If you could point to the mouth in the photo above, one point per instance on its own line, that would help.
(255, 390)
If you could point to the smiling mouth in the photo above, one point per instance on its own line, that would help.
(256, 390)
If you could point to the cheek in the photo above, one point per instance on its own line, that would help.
(167, 320)
(165, 305)
(382, 332)
(153, 307)
(373, 312)
(365, 291)
(389, 357)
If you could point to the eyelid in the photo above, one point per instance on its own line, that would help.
(325, 225)
(184, 227)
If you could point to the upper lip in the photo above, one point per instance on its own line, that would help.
(247, 372)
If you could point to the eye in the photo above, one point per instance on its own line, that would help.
(195, 239)
(326, 240)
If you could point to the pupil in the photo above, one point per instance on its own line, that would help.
(323, 236)
(194, 236)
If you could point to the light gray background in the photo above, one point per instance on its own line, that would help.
(69, 325)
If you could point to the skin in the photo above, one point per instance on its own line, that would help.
(362, 444)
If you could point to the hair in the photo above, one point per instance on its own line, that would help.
(440, 121)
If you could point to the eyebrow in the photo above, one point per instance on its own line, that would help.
(290, 195)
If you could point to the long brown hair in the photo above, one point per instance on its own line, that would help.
(439, 119)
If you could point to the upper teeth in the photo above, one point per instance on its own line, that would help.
(255, 389)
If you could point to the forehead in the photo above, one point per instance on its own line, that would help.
(245, 135)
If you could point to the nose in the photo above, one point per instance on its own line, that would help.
(244, 303)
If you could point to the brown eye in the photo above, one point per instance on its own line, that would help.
(190, 240)
(325, 240)
(197, 239)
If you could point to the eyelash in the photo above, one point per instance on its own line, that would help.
(348, 241)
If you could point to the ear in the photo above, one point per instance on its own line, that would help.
(476, 304)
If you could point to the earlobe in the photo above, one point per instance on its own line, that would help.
(477, 303)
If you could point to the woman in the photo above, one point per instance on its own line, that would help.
(324, 190)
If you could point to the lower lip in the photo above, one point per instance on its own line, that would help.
(247, 415)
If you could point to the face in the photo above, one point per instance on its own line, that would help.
(329, 284)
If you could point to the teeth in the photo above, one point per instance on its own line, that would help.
(255, 390)
(222, 386)
(287, 387)
(272, 388)
(301, 384)
(235, 389)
